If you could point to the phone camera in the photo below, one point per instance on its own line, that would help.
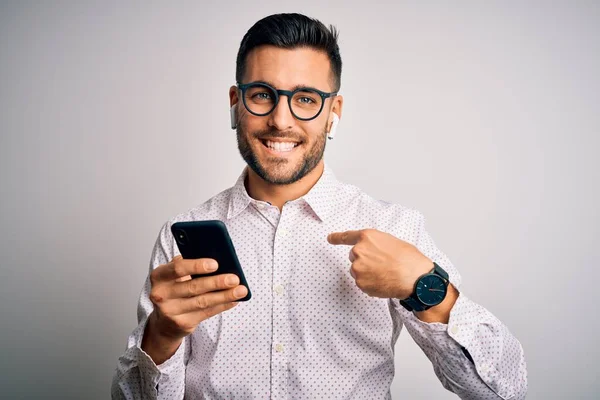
(181, 237)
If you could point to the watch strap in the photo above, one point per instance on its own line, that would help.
(413, 304)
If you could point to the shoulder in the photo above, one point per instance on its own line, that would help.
(395, 218)
(367, 203)
(214, 208)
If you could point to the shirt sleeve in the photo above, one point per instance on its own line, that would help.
(137, 376)
(474, 355)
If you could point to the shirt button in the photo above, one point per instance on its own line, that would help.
(454, 329)
(278, 289)
(282, 232)
(279, 347)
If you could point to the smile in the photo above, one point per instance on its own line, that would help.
(279, 146)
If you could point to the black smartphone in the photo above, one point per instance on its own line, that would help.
(209, 239)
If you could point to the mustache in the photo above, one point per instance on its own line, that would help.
(275, 134)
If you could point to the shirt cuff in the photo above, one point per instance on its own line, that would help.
(151, 374)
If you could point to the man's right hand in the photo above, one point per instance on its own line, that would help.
(181, 303)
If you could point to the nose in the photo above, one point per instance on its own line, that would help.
(281, 117)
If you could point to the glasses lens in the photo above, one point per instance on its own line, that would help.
(260, 99)
(306, 103)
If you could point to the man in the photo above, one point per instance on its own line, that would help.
(334, 274)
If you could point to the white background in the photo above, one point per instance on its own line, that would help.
(113, 118)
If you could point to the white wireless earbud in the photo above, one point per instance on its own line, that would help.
(232, 114)
(334, 124)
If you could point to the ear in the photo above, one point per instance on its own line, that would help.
(233, 100)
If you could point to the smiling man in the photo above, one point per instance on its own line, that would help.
(335, 274)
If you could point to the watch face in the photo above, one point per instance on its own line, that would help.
(431, 289)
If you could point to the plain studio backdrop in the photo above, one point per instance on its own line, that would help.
(114, 118)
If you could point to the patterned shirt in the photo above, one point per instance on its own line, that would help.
(309, 332)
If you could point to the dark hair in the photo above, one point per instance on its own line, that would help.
(289, 31)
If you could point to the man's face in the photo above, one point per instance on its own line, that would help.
(278, 147)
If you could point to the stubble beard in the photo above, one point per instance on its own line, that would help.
(270, 174)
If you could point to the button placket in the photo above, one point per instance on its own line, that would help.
(281, 271)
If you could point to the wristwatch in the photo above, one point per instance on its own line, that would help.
(430, 290)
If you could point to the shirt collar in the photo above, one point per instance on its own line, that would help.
(321, 197)
(240, 198)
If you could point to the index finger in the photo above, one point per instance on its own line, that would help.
(348, 237)
(180, 267)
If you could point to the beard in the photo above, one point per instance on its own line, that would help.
(274, 175)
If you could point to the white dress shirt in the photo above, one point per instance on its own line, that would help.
(309, 332)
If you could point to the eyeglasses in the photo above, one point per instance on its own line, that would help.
(305, 103)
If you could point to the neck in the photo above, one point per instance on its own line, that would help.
(278, 195)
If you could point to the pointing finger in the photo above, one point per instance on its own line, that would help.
(349, 238)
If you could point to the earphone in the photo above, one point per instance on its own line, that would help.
(334, 124)
(232, 114)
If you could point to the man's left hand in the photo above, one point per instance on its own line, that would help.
(382, 265)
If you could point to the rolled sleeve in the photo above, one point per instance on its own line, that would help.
(138, 377)
(497, 366)
(474, 355)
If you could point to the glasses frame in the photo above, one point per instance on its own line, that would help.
(289, 93)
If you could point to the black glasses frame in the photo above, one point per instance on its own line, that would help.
(289, 93)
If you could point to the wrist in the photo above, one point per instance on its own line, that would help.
(441, 312)
(158, 346)
(430, 290)
(406, 291)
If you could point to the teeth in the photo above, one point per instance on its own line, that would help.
(280, 146)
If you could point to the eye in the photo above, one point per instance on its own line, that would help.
(261, 96)
(306, 100)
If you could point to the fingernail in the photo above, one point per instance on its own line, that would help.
(211, 265)
(232, 280)
(240, 291)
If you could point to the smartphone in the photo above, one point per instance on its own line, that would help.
(209, 239)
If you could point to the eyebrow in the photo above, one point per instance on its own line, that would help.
(291, 89)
